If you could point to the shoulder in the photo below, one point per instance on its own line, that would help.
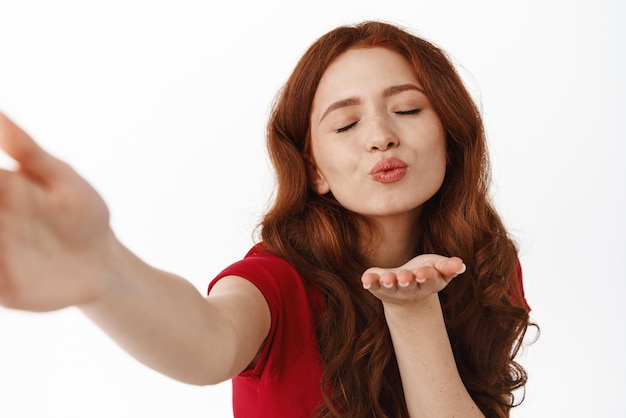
(275, 277)
(260, 265)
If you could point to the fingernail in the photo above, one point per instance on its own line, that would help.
(366, 286)
(388, 285)
(463, 268)
(404, 284)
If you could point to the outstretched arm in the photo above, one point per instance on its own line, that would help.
(57, 250)
(430, 379)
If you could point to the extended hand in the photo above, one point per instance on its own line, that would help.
(413, 282)
(54, 229)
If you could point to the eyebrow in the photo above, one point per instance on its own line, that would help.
(353, 101)
(390, 91)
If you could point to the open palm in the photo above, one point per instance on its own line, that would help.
(54, 229)
(414, 281)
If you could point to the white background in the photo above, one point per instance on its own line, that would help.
(162, 106)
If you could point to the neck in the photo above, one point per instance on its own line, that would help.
(395, 242)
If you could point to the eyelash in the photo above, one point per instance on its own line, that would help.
(404, 112)
(409, 112)
(345, 128)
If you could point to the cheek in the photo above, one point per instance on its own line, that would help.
(332, 158)
(439, 144)
(326, 168)
(436, 156)
(442, 164)
(333, 172)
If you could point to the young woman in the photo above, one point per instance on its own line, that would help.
(347, 306)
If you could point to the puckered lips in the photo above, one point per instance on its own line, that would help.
(389, 170)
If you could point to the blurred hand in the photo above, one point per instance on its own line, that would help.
(413, 282)
(55, 238)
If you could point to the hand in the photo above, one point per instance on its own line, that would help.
(413, 282)
(54, 229)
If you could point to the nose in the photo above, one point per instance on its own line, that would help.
(382, 135)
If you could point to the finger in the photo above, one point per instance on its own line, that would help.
(439, 274)
(451, 267)
(370, 280)
(405, 278)
(33, 160)
(430, 280)
(446, 267)
(425, 273)
(388, 279)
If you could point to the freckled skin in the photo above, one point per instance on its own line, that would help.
(374, 125)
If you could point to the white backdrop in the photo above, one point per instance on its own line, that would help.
(162, 106)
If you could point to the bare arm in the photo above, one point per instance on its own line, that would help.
(430, 379)
(164, 322)
(57, 250)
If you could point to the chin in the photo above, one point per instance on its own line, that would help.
(406, 213)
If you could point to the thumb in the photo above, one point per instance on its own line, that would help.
(33, 160)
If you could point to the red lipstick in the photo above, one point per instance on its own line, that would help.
(389, 170)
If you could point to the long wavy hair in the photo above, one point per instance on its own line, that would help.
(485, 315)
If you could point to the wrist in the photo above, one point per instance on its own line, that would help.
(112, 264)
(420, 311)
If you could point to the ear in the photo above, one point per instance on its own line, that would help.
(317, 179)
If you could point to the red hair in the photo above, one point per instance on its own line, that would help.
(484, 314)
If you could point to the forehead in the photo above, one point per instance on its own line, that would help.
(362, 71)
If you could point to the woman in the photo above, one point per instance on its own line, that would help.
(347, 307)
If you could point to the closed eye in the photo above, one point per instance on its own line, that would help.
(345, 128)
(408, 112)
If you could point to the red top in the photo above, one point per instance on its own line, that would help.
(285, 382)
(516, 289)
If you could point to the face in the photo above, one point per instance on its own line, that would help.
(377, 144)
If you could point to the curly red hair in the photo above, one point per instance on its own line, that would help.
(485, 312)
